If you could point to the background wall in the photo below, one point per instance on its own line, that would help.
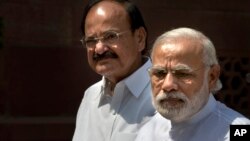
(43, 67)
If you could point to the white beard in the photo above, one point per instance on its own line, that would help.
(184, 108)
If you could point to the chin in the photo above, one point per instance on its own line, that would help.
(107, 72)
(175, 113)
(104, 73)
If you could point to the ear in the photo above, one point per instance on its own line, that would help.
(140, 35)
(214, 74)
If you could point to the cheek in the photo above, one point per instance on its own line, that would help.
(156, 88)
(89, 56)
(126, 57)
(192, 89)
(126, 52)
(129, 48)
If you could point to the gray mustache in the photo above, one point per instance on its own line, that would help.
(172, 95)
(105, 55)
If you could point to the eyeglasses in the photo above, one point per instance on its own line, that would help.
(107, 38)
(159, 73)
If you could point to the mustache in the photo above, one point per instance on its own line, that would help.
(104, 55)
(162, 96)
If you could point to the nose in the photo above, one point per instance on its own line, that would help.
(101, 47)
(169, 83)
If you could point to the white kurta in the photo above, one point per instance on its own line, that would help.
(117, 118)
(212, 123)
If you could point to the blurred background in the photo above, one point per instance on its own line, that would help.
(44, 71)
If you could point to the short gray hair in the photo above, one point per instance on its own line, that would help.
(209, 52)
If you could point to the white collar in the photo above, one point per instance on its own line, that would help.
(137, 81)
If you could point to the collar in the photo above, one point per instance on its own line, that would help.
(136, 82)
(139, 79)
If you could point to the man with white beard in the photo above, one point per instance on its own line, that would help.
(184, 76)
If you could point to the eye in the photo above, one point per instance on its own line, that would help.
(159, 73)
(110, 37)
(90, 41)
(181, 74)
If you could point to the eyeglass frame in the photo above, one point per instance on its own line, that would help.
(102, 39)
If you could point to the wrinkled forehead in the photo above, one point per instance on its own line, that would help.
(175, 52)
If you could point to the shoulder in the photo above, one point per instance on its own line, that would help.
(229, 115)
(89, 96)
(93, 90)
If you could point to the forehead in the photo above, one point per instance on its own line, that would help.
(108, 6)
(169, 54)
(106, 13)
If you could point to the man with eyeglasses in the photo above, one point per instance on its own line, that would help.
(184, 75)
(114, 108)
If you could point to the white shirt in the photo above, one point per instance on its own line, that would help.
(117, 118)
(212, 123)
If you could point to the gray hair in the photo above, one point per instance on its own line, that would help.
(209, 52)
